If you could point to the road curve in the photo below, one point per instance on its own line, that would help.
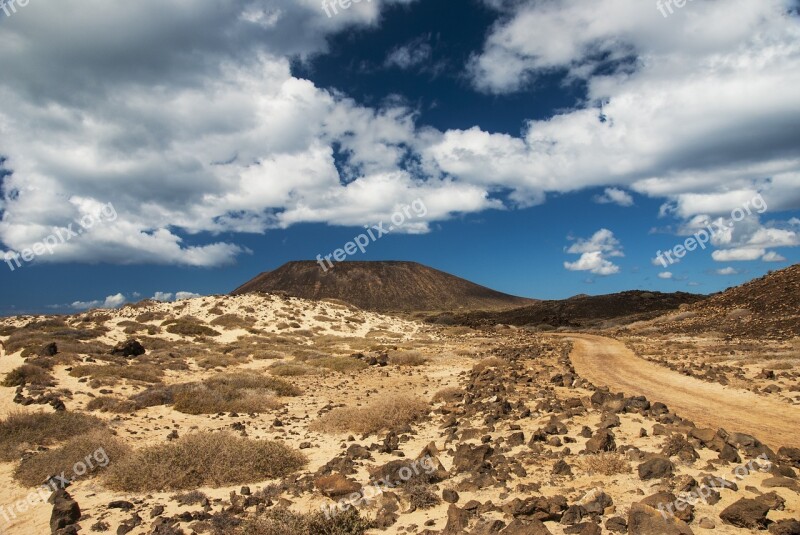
(607, 362)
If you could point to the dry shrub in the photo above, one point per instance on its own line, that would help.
(338, 364)
(408, 358)
(145, 317)
(203, 460)
(189, 326)
(381, 333)
(216, 361)
(450, 394)
(28, 374)
(145, 373)
(155, 396)
(491, 362)
(388, 413)
(98, 447)
(134, 327)
(421, 496)
(279, 521)
(111, 404)
(233, 321)
(292, 369)
(48, 363)
(607, 464)
(232, 393)
(34, 335)
(190, 498)
(20, 431)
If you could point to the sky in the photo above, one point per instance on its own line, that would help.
(545, 148)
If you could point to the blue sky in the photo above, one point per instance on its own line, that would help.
(556, 147)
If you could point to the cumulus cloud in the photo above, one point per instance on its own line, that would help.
(665, 275)
(614, 196)
(595, 252)
(727, 271)
(772, 256)
(177, 296)
(112, 301)
(195, 126)
(410, 55)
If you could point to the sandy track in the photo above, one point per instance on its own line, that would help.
(607, 362)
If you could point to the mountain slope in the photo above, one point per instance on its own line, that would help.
(382, 286)
(767, 307)
(585, 310)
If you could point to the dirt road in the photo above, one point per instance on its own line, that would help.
(607, 362)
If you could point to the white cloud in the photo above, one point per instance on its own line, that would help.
(410, 55)
(737, 255)
(772, 256)
(177, 296)
(727, 271)
(112, 301)
(665, 275)
(196, 126)
(614, 196)
(594, 253)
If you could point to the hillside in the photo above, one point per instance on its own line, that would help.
(380, 286)
(765, 307)
(584, 310)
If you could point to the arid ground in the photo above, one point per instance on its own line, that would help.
(254, 414)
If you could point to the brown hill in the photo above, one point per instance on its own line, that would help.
(767, 307)
(582, 310)
(380, 286)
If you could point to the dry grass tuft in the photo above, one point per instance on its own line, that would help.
(189, 326)
(21, 431)
(203, 460)
(279, 521)
(98, 448)
(232, 393)
(112, 373)
(408, 358)
(292, 369)
(233, 321)
(338, 364)
(450, 394)
(607, 464)
(388, 413)
(28, 374)
(491, 362)
(111, 404)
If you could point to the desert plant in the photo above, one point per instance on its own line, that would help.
(607, 464)
(20, 431)
(338, 364)
(203, 460)
(100, 448)
(408, 358)
(114, 372)
(387, 413)
(279, 521)
(28, 374)
(189, 326)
